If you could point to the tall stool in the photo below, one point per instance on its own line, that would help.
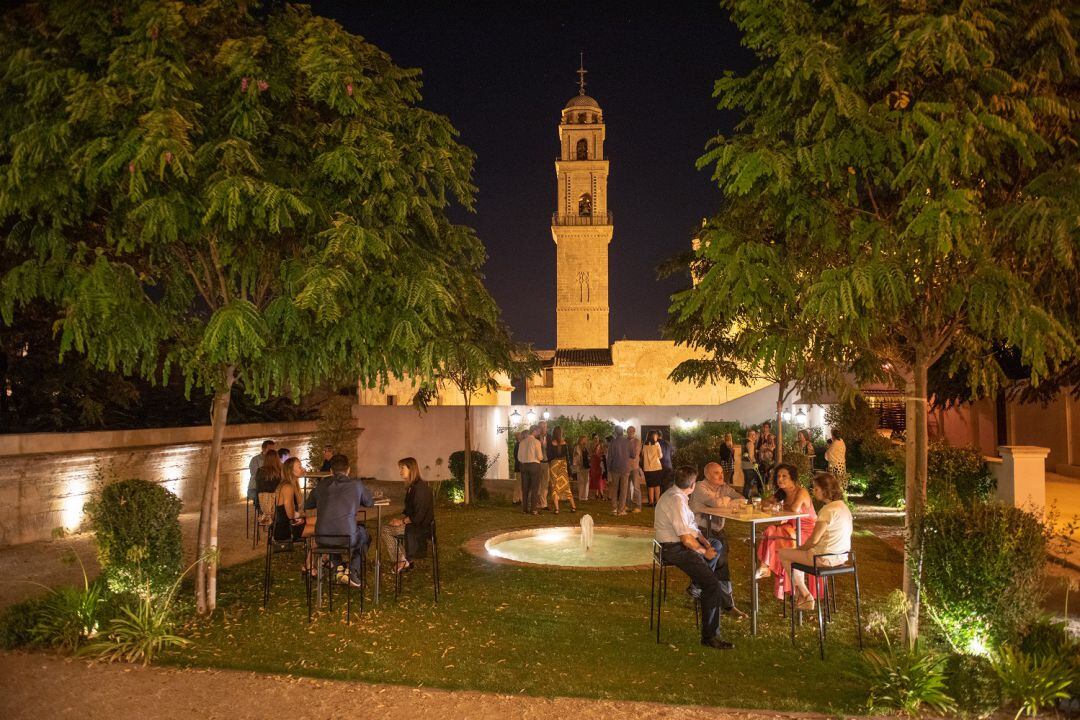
(273, 547)
(658, 590)
(323, 548)
(433, 542)
(824, 576)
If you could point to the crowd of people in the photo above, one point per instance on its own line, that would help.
(328, 512)
(550, 467)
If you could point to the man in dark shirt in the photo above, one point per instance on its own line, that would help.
(338, 499)
(327, 455)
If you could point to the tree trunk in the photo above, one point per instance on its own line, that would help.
(207, 544)
(468, 452)
(917, 446)
(780, 395)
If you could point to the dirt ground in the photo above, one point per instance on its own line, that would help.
(50, 686)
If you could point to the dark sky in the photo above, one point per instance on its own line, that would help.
(502, 72)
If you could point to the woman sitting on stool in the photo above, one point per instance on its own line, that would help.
(414, 523)
(832, 534)
(795, 499)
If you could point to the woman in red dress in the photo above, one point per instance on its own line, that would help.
(796, 499)
(597, 486)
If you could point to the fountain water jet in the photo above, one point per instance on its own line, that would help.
(586, 533)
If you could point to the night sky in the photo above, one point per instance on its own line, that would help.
(502, 72)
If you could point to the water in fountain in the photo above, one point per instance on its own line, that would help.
(586, 532)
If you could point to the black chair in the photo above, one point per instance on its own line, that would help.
(658, 591)
(323, 549)
(824, 577)
(273, 547)
(433, 542)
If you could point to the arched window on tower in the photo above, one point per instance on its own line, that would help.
(582, 149)
(581, 118)
(584, 205)
(584, 291)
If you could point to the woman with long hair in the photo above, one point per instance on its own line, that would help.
(559, 462)
(597, 485)
(269, 475)
(650, 463)
(795, 499)
(289, 520)
(831, 538)
(414, 524)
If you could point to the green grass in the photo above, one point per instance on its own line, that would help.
(543, 632)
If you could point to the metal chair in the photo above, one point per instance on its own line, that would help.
(273, 547)
(264, 517)
(658, 591)
(322, 550)
(824, 576)
(433, 541)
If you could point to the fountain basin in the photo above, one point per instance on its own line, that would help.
(613, 548)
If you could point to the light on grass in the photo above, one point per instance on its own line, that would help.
(976, 645)
(457, 495)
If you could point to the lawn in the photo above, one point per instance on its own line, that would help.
(512, 629)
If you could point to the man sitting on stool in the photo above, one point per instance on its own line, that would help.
(338, 499)
(703, 560)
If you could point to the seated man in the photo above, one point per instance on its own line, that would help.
(713, 492)
(703, 560)
(338, 499)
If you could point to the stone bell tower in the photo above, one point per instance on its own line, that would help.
(581, 226)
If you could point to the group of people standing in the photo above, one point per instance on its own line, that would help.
(612, 468)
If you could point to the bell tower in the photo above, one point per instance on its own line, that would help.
(581, 226)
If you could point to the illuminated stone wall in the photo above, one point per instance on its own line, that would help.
(639, 376)
(48, 477)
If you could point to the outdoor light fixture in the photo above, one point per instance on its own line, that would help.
(800, 418)
(515, 418)
(786, 415)
(687, 424)
(546, 414)
(530, 417)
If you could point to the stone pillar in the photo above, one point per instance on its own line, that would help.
(1022, 480)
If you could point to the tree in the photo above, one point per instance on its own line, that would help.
(250, 196)
(745, 311)
(475, 357)
(922, 161)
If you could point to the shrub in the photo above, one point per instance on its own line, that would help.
(957, 473)
(973, 685)
(1031, 684)
(143, 627)
(982, 573)
(857, 421)
(884, 468)
(801, 462)
(137, 530)
(18, 621)
(576, 426)
(906, 681)
(681, 437)
(699, 452)
(480, 467)
(69, 617)
(335, 427)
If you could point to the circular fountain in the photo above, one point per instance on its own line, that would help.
(609, 548)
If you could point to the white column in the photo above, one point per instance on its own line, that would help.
(1022, 480)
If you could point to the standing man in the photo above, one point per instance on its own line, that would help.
(683, 546)
(545, 465)
(618, 469)
(637, 476)
(665, 462)
(338, 499)
(530, 456)
(327, 455)
(254, 464)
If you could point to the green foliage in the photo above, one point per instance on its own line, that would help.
(957, 474)
(136, 526)
(973, 684)
(480, 467)
(1031, 684)
(682, 436)
(802, 462)
(335, 428)
(856, 421)
(906, 680)
(18, 621)
(141, 630)
(577, 426)
(982, 573)
(69, 617)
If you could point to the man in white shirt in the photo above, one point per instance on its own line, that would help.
(686, 548)
(530, 454)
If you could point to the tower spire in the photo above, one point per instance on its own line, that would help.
(581, 74)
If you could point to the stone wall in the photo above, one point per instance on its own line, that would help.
(639, 376)
(48, 477)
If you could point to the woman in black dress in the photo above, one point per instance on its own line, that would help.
(415, 521)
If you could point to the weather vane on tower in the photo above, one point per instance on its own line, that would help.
(581, 75)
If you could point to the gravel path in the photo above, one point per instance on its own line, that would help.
(38, 685)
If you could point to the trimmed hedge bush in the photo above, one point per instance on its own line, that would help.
(957, 474)
(137, 529)
(982, 573)
(457, 470)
